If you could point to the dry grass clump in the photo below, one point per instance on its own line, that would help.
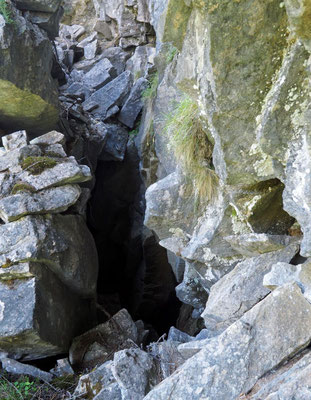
(192, 148)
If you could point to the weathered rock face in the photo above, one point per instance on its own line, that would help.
(29, 97)
(48, 262)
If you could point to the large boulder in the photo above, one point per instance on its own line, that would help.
(28, 93)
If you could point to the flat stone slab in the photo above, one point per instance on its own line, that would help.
(53, 200)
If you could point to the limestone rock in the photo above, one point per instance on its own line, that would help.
(48, 309)
(38, 5)
(62, 242)
(100, 384)
(241, 289)
(115, 145)
(53, 200)
(231, 363)
(133, 104)
(114, 93)
(102, 73)
(283, 273)
(15, 140)
(99, 344)
(17, 368)
(135, 372)
(28, 93)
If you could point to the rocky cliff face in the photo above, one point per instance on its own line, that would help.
(194, 118)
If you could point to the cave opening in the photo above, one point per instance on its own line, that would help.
(134, 271)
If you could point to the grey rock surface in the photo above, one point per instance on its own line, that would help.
(241, 289)
(48, 308)
(53, 200)
(133, 105)
(231, 363)
(17, 368)
(115, 145)
(38, 5)
(63, 243)
(114, 93)
(100, 343)
(98, 76)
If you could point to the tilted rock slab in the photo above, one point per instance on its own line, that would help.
(231, 363)
(242, 288)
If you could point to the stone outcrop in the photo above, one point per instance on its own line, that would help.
(29, 97)
(48, 261)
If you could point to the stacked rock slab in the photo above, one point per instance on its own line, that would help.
(48, 261)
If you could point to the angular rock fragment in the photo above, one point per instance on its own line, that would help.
(50, 138)
(133, 104)
(41, 5)
(53, 200)
(242, 288)
(100, 384)
(98, 76)
(231, 363)
(114, 93)
(100, 343)
(15, 140)
(253, 244)
(33, 313)
(135, 372)
(62, 242)
(17, 368)
(115, 143)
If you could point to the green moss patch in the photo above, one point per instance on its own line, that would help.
(36, 165)
(22, 187)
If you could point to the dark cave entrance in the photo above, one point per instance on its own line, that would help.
(134, 272)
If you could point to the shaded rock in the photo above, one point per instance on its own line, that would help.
(117, 57)
(190, 290)
(28, 93)
(114, 93)
(41, 5)
(230, 364)
(53, 200)
(62, 368)
(48, 22)
(141, 61)
(99, 344)
(17, 368)
(102, 73)
(241, 289)
(115, 146)
(133, 104)
(100, 384)
(48, 309)
(62, 242)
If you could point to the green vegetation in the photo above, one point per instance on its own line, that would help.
(4, 10)
(37, 164)
(171, 54)
(22, 187)
(13, 387)
(133, 133)
(192, 148)
(151, 90)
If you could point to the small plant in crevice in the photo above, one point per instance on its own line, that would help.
(171, 52)
(193, 150)
(5, 12)
(151, 90)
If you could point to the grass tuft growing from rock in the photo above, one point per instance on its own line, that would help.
(5, 12)
(37, 164)
(192, 148)
(151, 91)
